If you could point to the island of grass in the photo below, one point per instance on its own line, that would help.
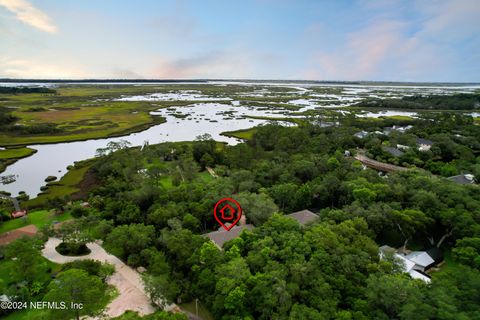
(245, 134)
(67, 186)
(9, 156)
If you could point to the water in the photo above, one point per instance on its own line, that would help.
(53, 159)
(212, 118)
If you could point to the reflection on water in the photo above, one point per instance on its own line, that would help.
(187, 122)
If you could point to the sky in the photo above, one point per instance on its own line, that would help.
(391, 40)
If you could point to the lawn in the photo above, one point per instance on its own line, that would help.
(449, 263)
(38, 218)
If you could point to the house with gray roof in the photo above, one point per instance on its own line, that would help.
(221, 236)
(424, 144)
(463, 179)
(303, 217)
(393, 151)
(415, 263)
(361, 134)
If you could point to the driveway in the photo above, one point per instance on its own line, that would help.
(128, 282)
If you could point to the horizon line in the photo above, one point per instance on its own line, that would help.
(153, 80)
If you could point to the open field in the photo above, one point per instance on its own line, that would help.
(78, 113)
(38, 218)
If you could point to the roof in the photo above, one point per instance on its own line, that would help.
(221, 236)
(415, 274)
(407, 264)
(462, 179)
(424, 141)
(303, 217)
(393, 151)
(361, 134)
(420, 258)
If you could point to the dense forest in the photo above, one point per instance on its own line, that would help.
(152, 205)
(19, 90)
(461, 101)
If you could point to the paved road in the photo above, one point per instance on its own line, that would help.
(132, 295)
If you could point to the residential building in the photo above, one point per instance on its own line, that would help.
(303, 217)
(463, 179)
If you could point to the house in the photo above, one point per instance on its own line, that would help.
(421, 259)
(18, 214)
(424, 144)
(221, 236)
(416, 263)
(388, 130)
(402, 147)
(361, 134)
(303, 217)
(463, 179)
(393, 151)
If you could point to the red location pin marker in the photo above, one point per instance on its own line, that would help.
(227, 212)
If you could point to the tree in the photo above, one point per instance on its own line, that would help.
(161, 289)
(127, 240)
(76, 286)
(73, 237)
(410, 221)
(387, 294)
(257, 207)
(28, 264)
(467, 251)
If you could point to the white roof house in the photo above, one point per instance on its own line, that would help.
(421, 259)
(414, 264)
(418, 275)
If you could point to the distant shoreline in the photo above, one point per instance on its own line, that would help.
(127, 81)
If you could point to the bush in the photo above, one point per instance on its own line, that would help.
(92, 267)
(72, 249)
(79, 211)
(50, 178)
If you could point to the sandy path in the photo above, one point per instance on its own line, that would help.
(132, 295)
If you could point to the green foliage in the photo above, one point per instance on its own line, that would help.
(127, 241)
(327, 270)
(460, 101)
(76, 286)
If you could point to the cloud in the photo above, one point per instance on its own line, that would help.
(361, 54)
(25, 12)
(218, 64)
(452, 19)
(438, 45)
(25, 68)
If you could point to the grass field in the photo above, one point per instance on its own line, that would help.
(398, 117)
(9, 156)
(38, 218)
(245, 134)
(16, 153)
(80, 113)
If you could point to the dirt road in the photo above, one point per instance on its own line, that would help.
(132, 295)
